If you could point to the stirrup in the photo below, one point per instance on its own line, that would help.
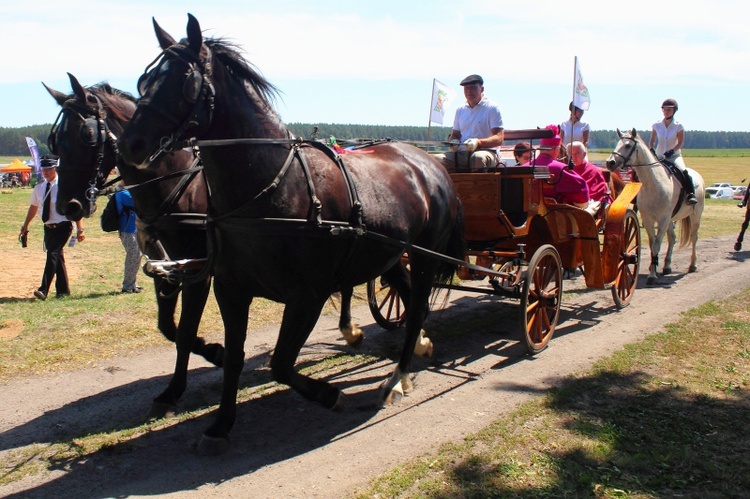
(691, 199)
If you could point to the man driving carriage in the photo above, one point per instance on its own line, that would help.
(477, 131)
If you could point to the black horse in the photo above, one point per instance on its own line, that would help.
(170, 201)
(289, 220)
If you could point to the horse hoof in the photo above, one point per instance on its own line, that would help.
(424, 347)
(737, 246)
(667, 271)
(394, 397)
(692, 269)
(651, 281)
(353, 336)
(212, 446)
(160, 410)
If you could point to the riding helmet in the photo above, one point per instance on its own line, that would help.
(670, 103)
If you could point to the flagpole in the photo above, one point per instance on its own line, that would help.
(573, 98)
(429, 115)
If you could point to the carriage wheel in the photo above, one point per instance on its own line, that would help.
(514, 273)
(541, 298)
(629, 262)
(385, 303)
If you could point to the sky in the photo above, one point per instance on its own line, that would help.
(373, 62)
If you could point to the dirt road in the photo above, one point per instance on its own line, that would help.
(284, 446)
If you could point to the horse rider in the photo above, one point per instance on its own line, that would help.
(671, 136)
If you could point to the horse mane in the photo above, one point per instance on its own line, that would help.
(230, 55)
(115, 101)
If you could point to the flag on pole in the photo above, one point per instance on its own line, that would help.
(581, 97)
(441, 94)
(34, 150)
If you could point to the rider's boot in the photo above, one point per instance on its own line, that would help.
(687, 184)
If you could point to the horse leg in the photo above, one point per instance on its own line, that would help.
(671, 239)
(166, 301)
(300, 315)
(351, 333)
(400, 279)
(234, 305)
(694, 224)
(654, 245)
(194, 298)
(743, 228)
(421, 280)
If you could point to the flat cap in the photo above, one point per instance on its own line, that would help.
(471, 79)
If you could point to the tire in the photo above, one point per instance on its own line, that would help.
(541, 298)
(629, 261)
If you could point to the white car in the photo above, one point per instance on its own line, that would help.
(719, 192)
(721, 184)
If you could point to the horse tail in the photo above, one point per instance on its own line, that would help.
(685, 232)
(456, 248)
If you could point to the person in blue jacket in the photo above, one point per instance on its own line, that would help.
(129, 239)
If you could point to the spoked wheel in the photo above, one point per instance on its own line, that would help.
(541, 298)
(385, 303)
(629, 262)
(514, 275)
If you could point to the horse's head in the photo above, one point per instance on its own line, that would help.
(87, 148)
(176, 97)
(629, 151)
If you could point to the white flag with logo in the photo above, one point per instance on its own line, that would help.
(34, 150)
(581, 97)
(441, 94)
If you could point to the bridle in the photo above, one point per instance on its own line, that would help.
(94, 132)
(626, 159)
(197, 89)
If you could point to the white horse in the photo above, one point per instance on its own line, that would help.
(660, 200)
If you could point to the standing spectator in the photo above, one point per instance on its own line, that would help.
(479, 125)
(575, 129)
(671, 137)
(57, 230)
(128, 237)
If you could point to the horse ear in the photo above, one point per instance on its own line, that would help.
(165, 40)
(59, 97)
(78, 89)
(195, 37)
(619, 133)
(634, 133)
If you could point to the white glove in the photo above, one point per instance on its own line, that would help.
(454, 145)
(471, 144)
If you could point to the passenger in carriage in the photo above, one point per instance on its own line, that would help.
(565, 185)
(599, 191)
(477, 131)
(522, 153)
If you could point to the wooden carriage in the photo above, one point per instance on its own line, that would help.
(520, 243)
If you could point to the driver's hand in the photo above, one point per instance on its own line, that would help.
(454, 145)
(471, 144)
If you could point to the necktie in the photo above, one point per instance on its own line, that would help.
(46, 205)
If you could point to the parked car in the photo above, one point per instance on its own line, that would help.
(719, 192)
(739, 192)
(721, 184)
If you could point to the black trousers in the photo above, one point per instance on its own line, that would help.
(54, 241)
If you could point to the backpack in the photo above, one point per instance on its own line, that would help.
(110, 219)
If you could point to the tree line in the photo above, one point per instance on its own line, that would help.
(13, 140)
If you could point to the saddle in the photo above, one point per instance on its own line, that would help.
(683, 177)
